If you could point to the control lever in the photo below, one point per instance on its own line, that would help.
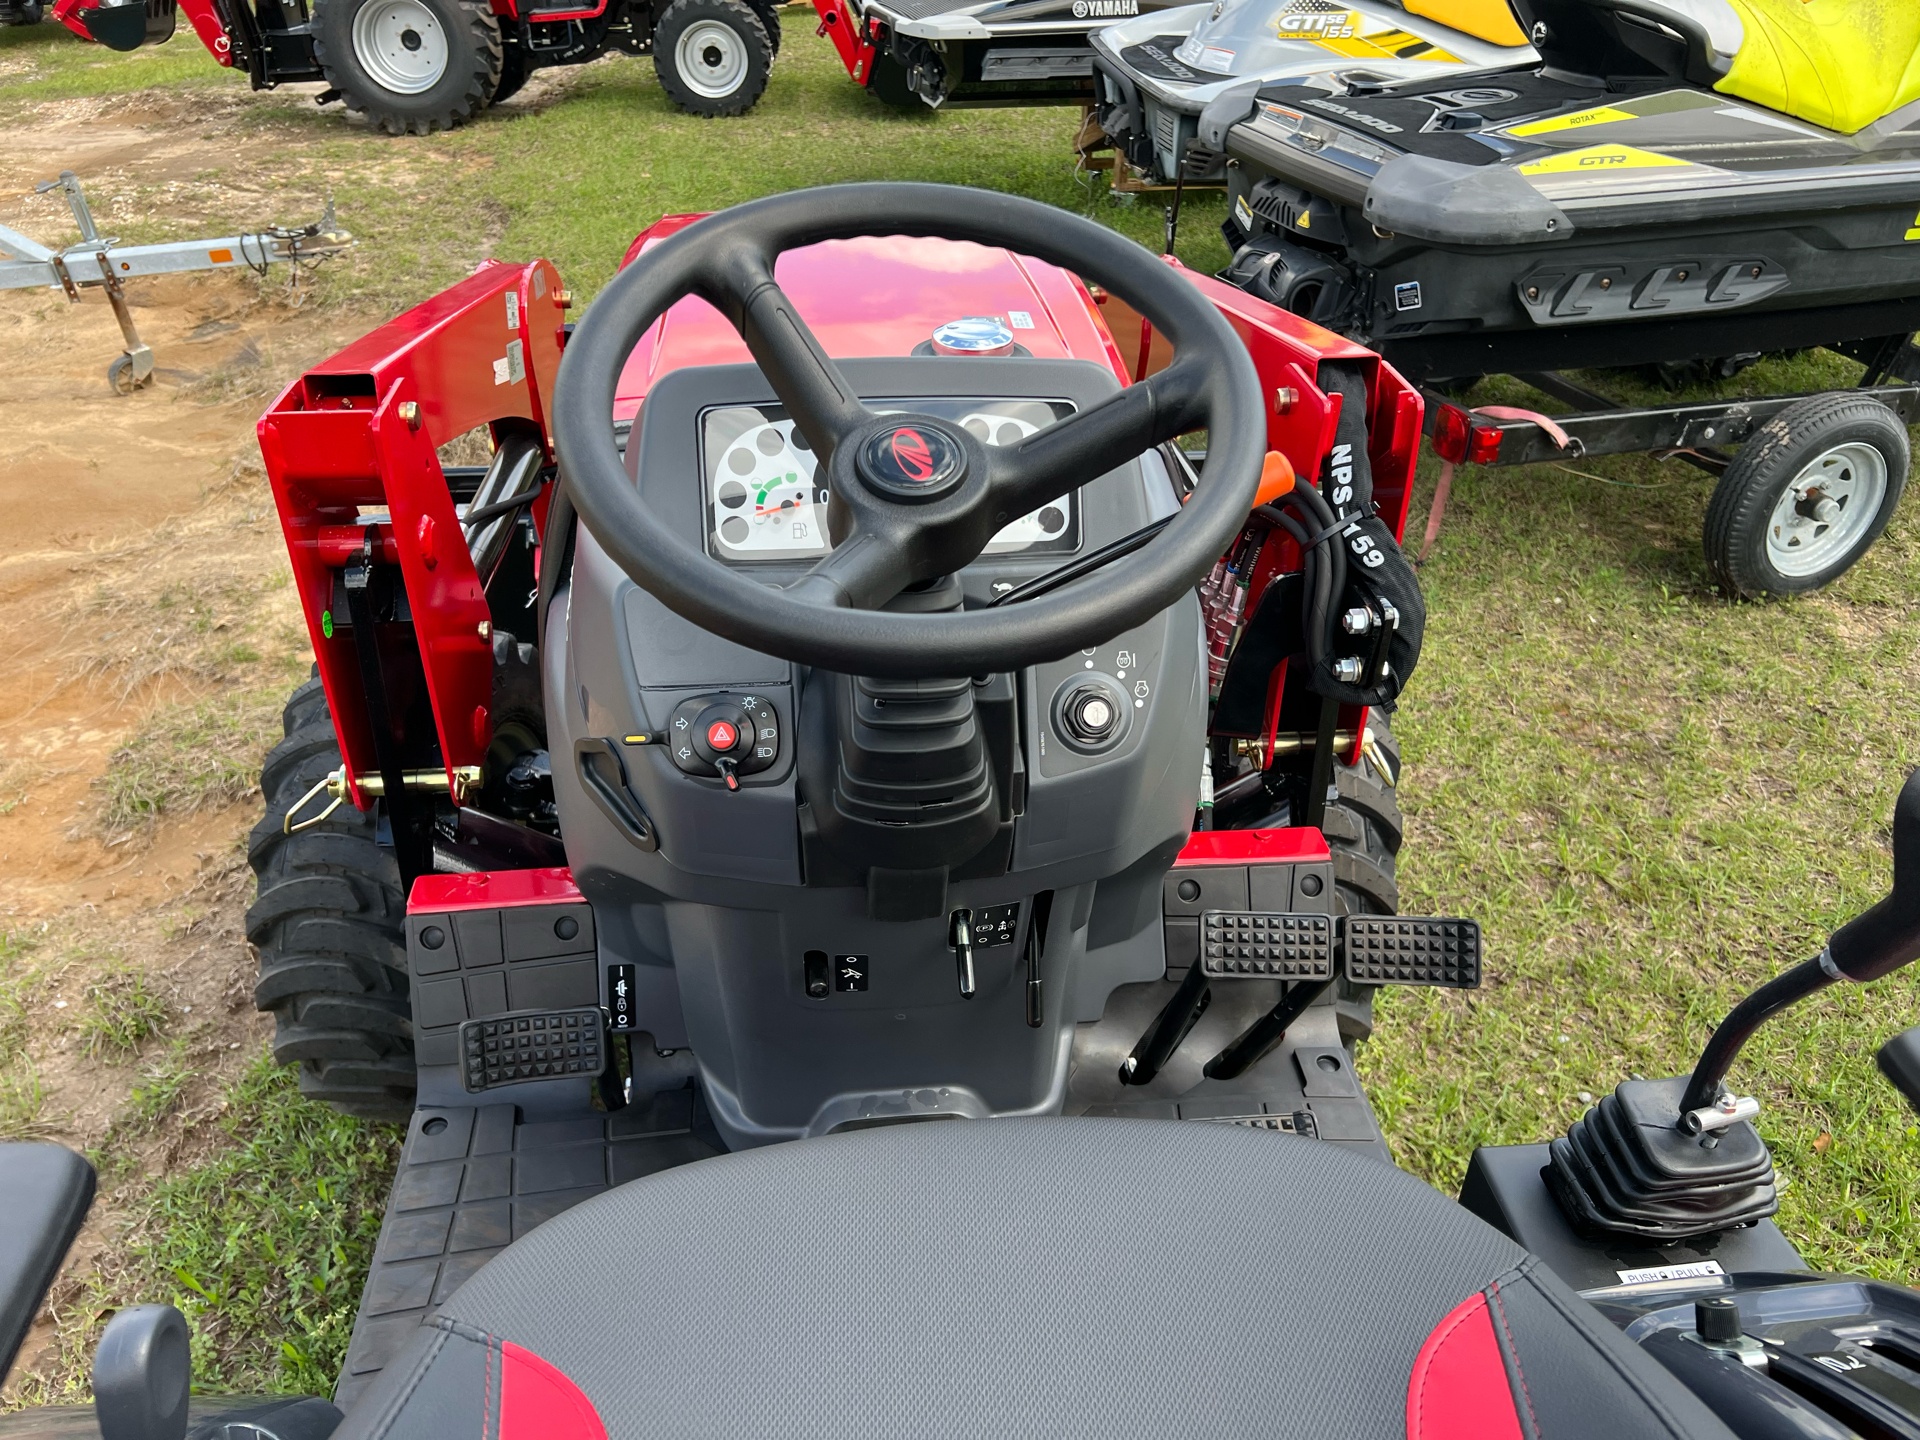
(1669, 1160)
(960, 937)
(1900, 1062)
(729, 771)
(1866, 948)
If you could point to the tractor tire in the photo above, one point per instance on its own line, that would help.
(410, 66)
(1364, 828)
(769, 14)
(514, 70)
(712, 56)
(1845, 453)
(328, 923)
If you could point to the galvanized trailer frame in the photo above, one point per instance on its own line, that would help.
(101, 260)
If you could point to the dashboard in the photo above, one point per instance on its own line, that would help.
(763, 502)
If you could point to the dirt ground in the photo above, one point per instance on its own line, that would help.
(141, 576)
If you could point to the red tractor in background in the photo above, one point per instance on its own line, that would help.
(416, 66)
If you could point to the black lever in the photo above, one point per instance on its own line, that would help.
(1900, 1062)
(1866, 948)
(140, 1375)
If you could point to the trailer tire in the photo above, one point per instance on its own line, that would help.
(713, 57)
(328, 923)
(410, 66)
(888, 84)
(1764, 533)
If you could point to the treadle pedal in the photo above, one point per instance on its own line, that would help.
(1254, 945)
(532, 1045)
(1411, 950)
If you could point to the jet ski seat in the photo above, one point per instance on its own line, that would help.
(1839, 64)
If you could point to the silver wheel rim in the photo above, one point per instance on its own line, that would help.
(711, 59)
(1830, 505)
(401, 45)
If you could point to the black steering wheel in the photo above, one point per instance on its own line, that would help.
(913, 498)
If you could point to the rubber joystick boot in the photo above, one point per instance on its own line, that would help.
(1627, 1168)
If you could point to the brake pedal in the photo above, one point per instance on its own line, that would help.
(1266, 945)
(532, 1045)
(1411, 950)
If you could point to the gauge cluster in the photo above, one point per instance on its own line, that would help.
(764, 501)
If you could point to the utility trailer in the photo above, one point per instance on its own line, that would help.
(102, 261)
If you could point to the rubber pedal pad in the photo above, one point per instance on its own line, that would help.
(1266, 945)
(1411, 950)
(532, 1045)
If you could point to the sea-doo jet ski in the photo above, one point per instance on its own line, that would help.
(1154, 74)
(1679, 178)
(1677, 183)
(972, 52)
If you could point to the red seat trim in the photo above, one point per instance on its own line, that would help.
(538, 1402)
(1460, 1389)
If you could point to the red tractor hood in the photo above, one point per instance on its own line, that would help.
(877, 297)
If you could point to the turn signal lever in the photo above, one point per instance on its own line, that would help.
(1672, 1159)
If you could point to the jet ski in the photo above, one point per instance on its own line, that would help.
(1155, 73)
(972, 52)
(1672, 180)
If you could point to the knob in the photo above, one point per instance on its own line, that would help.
(720, 730)
(1717, 1319)
(1090, 715)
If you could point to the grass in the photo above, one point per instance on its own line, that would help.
(123, 1012)
(1650, 797)
(21, 1095)
(186, 758)
(263, 1246)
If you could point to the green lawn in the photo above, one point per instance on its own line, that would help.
(1650, 797)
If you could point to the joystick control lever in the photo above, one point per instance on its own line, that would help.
(1672, 1159)
(960, 937)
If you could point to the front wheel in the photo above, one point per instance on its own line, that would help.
(410, 66)
(1806, 497)
(712, 56)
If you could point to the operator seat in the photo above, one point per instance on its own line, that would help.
(1839, 64)
(1072, 1279)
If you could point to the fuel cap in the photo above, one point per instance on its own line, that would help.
(975, 335)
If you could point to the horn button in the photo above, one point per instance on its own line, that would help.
(913, 460)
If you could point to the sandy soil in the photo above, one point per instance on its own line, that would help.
(141, 574)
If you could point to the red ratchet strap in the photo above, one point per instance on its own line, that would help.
(1444, 486)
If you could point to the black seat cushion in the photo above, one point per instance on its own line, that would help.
(1000, 1279)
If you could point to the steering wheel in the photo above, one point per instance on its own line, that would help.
(913, 498)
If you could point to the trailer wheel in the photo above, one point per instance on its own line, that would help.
(712, 56)
(22, 12)
(410, 66)
(1806, 497)
(888, 84)
(328, 924)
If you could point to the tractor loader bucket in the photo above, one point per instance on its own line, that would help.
(129, 26)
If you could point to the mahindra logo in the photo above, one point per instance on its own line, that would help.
(913, 455)
(916, 463)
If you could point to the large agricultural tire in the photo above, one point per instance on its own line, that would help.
(410, 66)
(1806, 497)
(713, 57)
(1363, 826)
(514, 70)
(328, 921)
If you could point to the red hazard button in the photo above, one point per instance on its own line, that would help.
(722, 736)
